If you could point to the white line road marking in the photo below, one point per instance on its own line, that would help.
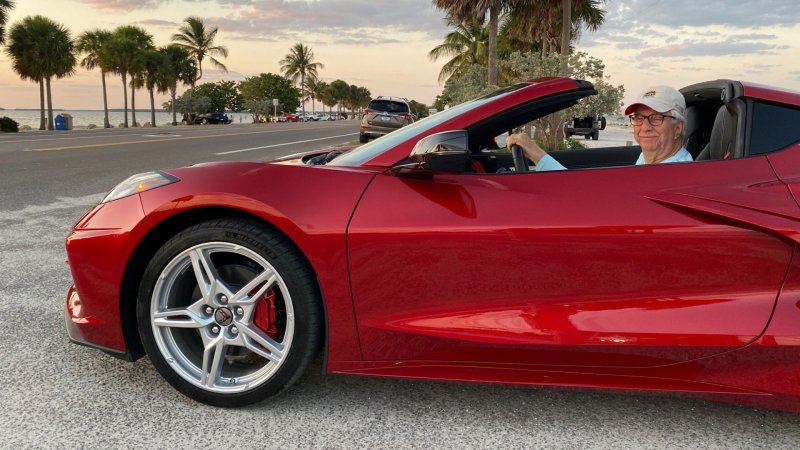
(285, 143)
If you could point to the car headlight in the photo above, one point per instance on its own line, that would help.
(140, 183)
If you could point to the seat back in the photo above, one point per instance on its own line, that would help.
(726, 140)
(696, 133)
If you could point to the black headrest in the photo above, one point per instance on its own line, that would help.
(724, 135)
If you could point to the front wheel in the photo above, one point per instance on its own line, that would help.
(363, 138)
(229, 312)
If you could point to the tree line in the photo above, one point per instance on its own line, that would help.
(497, 43)
(42, 50)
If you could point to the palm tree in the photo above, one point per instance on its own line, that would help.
(312, 91)
(154, 65)
(41, 49)
(299, 63)
(339, 91)
(544, 20)
(92, 43)
(466, 11)
(5, 6)
(137, 69)
(199, 42)
(126, 44)
(324, 94)
(178, 66)
(466, 45)
(357, 97)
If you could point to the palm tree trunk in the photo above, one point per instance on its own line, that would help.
(303, 93)
(493, 21)
(133, 105)
(191, 95)
(172, 92)
(566, 28)
(125, 96)
(50, 124)
(42, 121)
(152, 108)
(105, 101)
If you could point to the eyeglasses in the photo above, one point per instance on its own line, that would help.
(654, 119)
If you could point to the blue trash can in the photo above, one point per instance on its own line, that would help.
(61, 123)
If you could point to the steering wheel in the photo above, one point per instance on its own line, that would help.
(520, 165)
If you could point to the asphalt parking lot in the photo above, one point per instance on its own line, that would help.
(59, 395)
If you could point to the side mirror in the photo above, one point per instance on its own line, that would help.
(446, 161)
(440, 152)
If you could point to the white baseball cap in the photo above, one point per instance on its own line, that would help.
(660, 99)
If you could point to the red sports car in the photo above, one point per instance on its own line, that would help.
(289, 117)
(431, 253)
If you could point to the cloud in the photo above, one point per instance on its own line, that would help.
(370, 22)
(159, 23)
(695, 48)
(123, 5)
(693, 13)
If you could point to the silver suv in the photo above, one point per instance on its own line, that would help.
(384, 115)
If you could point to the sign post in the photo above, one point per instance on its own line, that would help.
(275, 104)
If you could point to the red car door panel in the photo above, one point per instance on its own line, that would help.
(787, 165)
(596, 267)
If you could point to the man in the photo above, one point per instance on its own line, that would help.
(658, 118)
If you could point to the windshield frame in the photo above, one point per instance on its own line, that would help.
(370, 150)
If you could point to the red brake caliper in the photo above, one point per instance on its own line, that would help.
(264, 316)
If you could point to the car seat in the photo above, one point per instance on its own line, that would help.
(726, 141)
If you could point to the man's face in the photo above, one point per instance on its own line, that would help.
(657, 139)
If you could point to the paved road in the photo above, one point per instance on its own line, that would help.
(41, 165)
(59, 395)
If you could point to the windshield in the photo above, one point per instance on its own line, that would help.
(382, 144)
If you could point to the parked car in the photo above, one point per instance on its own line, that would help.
(288, 117)
(211, 118)
(434, 254)
(588, 127)
(384, 115)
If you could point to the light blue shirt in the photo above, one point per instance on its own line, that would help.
(549, 163)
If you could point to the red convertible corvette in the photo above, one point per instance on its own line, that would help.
(431, 253)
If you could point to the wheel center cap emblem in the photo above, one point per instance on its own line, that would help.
(223, 316)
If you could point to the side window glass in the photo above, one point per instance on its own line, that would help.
(774, 127)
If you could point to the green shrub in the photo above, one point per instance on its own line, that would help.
(574, 144)
(8, 125)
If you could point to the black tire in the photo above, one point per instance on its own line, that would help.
(595, 135)
(363, 138)
(586, 136)
(602, 123)
(176, 351)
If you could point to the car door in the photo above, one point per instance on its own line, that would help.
(635, 266)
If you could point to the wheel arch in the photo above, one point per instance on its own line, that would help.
(159, 235)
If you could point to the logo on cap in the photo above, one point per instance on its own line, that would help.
(649, 94)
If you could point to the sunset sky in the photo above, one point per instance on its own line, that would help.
(383, 45)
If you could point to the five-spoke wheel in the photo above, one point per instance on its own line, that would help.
(228, 312)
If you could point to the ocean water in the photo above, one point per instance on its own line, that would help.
(82, 118)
